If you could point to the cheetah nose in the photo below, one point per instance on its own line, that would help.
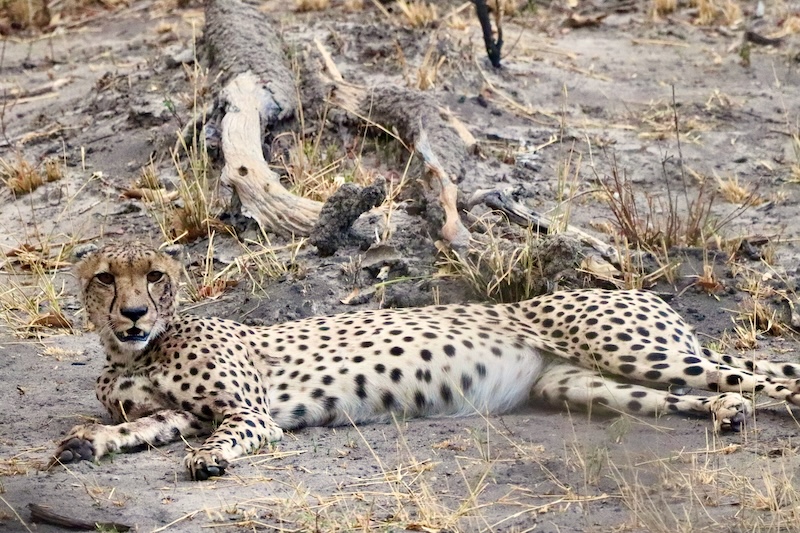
(133, 313)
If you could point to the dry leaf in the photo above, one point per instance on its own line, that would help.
(216, 288)
(584, 21)
(347, 299)
(600, 268)
(51, 320)
(150, 195)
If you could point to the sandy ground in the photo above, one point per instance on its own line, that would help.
(104, 92)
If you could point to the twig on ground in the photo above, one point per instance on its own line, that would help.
(44, 515)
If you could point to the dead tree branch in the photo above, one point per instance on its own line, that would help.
(493, 47)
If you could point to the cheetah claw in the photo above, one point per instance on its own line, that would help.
(203, 465)
(73, 450)
(730, 412)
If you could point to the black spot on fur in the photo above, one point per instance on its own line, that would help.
(734, 379)
(693, 370)
(361, 381)
(387, 398)
(466, 382)
(652, 375)
(446, 393)
(299, 411)
(419, 399)
(634, 405)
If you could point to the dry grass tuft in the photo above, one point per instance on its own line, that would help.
(418, 14)
(663, 7)
(304, 6)
(204, 282)
(31, 298)
(735, 192)
(22, 178)
(429, 68)
(25, 14)
(353, 5)
(507, 8)
(316, 172)
(20, 464)
(261, 261)
(656, 222)
(795, 165)
(191, 212)
(721, 12)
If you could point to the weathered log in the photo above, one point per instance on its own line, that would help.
(259, 92)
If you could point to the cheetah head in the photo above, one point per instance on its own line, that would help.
(129, 291)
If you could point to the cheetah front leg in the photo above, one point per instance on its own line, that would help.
(93, 441)
(566, 383)
(241, 431)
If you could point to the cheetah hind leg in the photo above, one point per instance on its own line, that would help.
(766, 368)
(565, 383)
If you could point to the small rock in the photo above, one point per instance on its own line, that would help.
(175, 56)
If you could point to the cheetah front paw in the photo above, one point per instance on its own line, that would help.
(730, 411)
(73, 450)
(83, 443)
(203, 464)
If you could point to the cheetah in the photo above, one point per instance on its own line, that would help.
(169, 376)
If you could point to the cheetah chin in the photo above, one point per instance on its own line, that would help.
(169, 376)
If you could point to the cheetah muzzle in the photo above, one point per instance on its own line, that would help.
(168, 376)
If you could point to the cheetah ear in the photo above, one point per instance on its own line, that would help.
(175, 251)
(83, 251)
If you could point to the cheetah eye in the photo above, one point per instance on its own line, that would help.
(154, 276)
(106, 278)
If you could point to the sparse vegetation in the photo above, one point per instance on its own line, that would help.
(663, 7)
(500, 269)
(472, 475)
(31, 292)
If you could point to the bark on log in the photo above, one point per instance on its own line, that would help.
(238, 38)
(259, 92)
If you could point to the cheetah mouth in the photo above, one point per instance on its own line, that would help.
(736, 422)
(132, 335)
